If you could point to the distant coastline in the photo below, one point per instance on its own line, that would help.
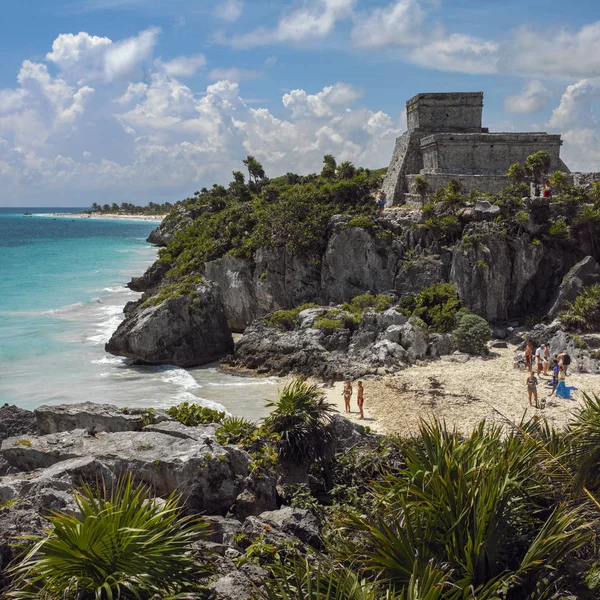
(113, 216)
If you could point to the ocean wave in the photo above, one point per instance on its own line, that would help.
(247, 382)
(178, 376)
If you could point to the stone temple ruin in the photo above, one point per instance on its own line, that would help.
(445, 140)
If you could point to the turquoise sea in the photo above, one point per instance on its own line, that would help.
(62, 291)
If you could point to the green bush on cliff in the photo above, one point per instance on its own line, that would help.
(287, 319)
(472, 333)
(185, 286)
(584, 313)
(122, 544)
(436, 305)
(368, 301)
(236, 430)
(327, 324)
(195, 414)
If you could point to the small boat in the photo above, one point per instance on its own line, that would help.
(27, 214)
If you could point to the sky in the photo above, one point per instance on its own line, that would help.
(151, 100)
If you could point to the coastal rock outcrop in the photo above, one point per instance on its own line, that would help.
(586, 272)
(178, 327)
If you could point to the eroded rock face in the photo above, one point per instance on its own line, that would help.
(15, 421)
(355, 262)
(186, 330)
(209, 476)
(584, 273)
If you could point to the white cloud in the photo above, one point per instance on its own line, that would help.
(575, 118)
(531, 99)
(124, 58)
(458, 52)
(554, 53)
(229, 10)
(331, 100)
(397, 24)
(270, 62)
(315, 20)
(182, 66)
(82, 51)
(235, 74)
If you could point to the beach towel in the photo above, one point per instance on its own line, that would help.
(562, 391)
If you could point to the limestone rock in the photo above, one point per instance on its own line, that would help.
(258, 495)
(485, 211)
(298, 522)
(584, 273)
(223, 530)
(209, 476)
(15, 421)
(89, 415)
(182, 330)
(414, 275)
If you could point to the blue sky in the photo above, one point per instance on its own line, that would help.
(139, 100)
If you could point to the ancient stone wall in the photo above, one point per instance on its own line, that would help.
(484, 153)
(489, 184)
(460, 112)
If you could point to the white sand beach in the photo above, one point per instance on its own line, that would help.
(114, 216)
(461, 394)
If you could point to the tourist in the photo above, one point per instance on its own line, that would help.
(360, 399)
(381, 203)
(564, 360)
(562, 391)
(538, 190)
(555, 369)
(539, 358)
(347, 395)
(546, 191)
(528, 354)
(532, 388)
(546, 359)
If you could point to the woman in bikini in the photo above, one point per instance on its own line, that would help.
(360, 399)
(347, 395)
(532, 388)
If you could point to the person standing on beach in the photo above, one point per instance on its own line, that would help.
(528, 354)
(532, 387)
(360, 399)
(539, 357)
(554, 376)
(347, 395)
(546, 358)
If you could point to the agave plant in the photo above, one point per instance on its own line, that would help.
(299, 418)
(236, 430)
(124, 544)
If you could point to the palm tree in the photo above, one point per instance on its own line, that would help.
(537, 164)
(300, 417)
(255, 169)
(123, 544)
(346, 170)
(515, 173)
(559, 181)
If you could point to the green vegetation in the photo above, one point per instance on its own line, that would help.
(26, 443)
(420, 186)
(124, 544)
(126, 208)
(328, 325)
(287, 212)
(472, 333)
(195, 414)
(185, 286)
(237, 430)
(538, 164)
(368, 301)
(287, 319)
(299, 418)
(436, 306)
(584, 313)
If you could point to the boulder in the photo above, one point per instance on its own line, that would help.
(91, 416)
(15, 421)
(298, 522)
(184, 330)
(258, 494)
(583, 274)
(441, 344)
(485, 211)
(223, 530)
(418, 273)
(240, 584)
(344, 433)
(415, 340)
(208, 475)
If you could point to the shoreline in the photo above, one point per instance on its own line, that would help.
(108, 216)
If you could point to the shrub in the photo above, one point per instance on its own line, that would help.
(368, 301)
(472, 333)
(327, 324)
(123, 544)
(584, 313)
(236, 430)
(286, 319)
(436, 305)
(195, 414)
(559, 229)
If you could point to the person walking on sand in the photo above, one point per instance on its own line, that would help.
(539, 358)
(347, 395)
(360, 399)
(532, 388)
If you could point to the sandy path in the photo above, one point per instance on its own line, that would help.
(461, 394)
